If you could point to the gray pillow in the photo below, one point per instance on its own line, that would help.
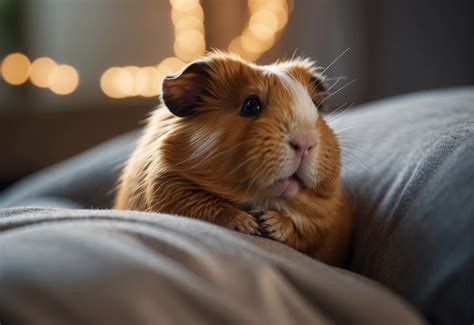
(409, 162)
(71, 266)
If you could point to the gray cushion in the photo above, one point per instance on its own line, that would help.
(410, 165)
(65, 266)
(408, 162)
(87, 180)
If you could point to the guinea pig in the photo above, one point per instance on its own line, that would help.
(243, 146)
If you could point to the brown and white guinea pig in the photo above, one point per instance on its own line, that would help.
(243, 146)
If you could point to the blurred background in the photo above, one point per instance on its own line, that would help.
(74, 73)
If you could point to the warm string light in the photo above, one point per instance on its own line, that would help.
(188, 21)
(63, 79)
(130, 81)
(267, 19)
(16, 68)
(43, 72)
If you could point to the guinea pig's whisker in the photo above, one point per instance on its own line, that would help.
(294, 54)
(368, 155)
(370, 141)
(335, 60)
(334, 78)
(338, 115)
(359, 141)
(342, 117)
(334, 84)
(349, 147)
(340, 131)
(327, 117)
(337, 91)
(338, 127)
(349, 117)
(353, 157)
(337, 120)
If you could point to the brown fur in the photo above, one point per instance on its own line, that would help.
(226, 182)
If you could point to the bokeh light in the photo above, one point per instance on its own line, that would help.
(188, 18)
(184, 5)
(132, 71)
(191, 22)
(267, 18)
(188, 22)
(63, 79)
(178, 14)
(189, 44)
(253, 45)
(263, 24)
(16, 68)
(170, 66)
(129, 81)
(148, 82)
(41, 70)
(117, 82)
(44, 72)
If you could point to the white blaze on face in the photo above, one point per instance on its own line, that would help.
(305, 113)
(304, 117)
(204, 142)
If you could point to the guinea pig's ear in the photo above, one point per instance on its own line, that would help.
(181, 92)
(306, 71)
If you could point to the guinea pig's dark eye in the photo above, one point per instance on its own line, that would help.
(251, 107)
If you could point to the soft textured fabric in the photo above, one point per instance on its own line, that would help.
(409, 164)
(87, 180)
(60, 266)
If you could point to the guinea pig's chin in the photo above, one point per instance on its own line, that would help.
(285, 187)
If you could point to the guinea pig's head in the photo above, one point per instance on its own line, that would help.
(249, 132)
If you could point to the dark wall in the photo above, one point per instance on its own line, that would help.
(419, 44)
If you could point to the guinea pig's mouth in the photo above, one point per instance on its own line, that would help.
(295, 178)
(286, 186)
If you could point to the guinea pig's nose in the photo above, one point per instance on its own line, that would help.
(302, 145)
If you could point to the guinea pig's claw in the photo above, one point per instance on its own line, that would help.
(256, 213)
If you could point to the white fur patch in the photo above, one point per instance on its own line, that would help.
(204, 141)
(305, 116)
(303, 107)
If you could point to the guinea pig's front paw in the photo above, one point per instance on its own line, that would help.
(275, 225)
(243, 222)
